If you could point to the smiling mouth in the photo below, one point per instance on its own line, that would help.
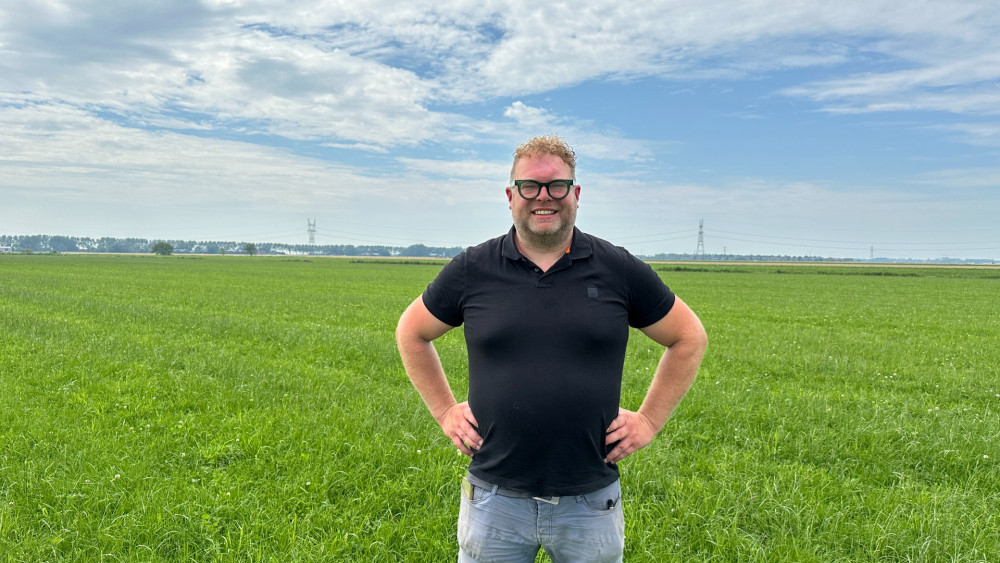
(543, 212)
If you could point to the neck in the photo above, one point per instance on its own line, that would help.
(541, 250)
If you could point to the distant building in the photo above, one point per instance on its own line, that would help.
(6, 249)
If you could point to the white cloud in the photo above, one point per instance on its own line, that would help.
(60, 152)
(468, 169)
(958, 86)
(296, 89)
(986, 134)
(371, 72)
(585, 138)
(679, 39)
(962, 178)
(530, 117)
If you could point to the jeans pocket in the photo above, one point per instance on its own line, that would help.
(478, 494)
(602, 500)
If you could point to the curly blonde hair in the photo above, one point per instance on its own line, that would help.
(544, 145)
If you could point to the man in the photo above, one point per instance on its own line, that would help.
(546, 310)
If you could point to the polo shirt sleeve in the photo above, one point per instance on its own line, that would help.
(445, 296)
(649, 298)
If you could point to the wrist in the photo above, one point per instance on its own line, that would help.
(654, 424)
(442, 414)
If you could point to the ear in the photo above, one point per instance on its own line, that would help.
(510, 196)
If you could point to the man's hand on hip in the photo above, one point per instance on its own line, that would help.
(460, 425)
(632, 430)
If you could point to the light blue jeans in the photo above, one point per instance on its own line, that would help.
(585, 528)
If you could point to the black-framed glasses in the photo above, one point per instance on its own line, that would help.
(530, 189)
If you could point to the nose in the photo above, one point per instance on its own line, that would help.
(545, 190)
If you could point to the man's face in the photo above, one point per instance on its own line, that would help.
(543, 222)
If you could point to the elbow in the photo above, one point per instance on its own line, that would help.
(408, 335)
(696, 341)
(404, 330)
(701, 338)
(404, 334)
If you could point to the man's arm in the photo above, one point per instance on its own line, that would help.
(415, 332)
(685, 340)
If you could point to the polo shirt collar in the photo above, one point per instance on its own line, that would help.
(580, 246)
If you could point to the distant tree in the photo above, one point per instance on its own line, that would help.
(163, 248)
(250, 248)
(33, 243)
(118, 247)
(63, 244)
(415, 250)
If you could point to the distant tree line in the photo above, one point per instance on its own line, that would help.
(743, 258)
(55, 243)
(790, 258)
(50, 243)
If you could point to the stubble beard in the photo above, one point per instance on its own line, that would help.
(545, 240)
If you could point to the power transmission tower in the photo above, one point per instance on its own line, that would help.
(700, 251)
(311, 229)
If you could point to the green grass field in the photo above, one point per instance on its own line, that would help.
(255, 409)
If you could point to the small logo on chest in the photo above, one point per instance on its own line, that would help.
(592, 292)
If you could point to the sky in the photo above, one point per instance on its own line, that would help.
(844, 129)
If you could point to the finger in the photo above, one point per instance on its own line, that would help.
(470, 435)
(471, 418)
(618, 435)
(614, 453)
(617, 455)
(617, 423)
(472, 429)
(461, 446)
(620, 421)
(472, 442)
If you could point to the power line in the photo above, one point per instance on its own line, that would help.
(862, 247)
(857, 242)
(655, 236)
(331, 232)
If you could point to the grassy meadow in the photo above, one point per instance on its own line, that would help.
(255, 409)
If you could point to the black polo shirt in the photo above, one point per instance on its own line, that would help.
(546, 351)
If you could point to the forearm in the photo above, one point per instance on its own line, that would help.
(675, 373)
(423, 367)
